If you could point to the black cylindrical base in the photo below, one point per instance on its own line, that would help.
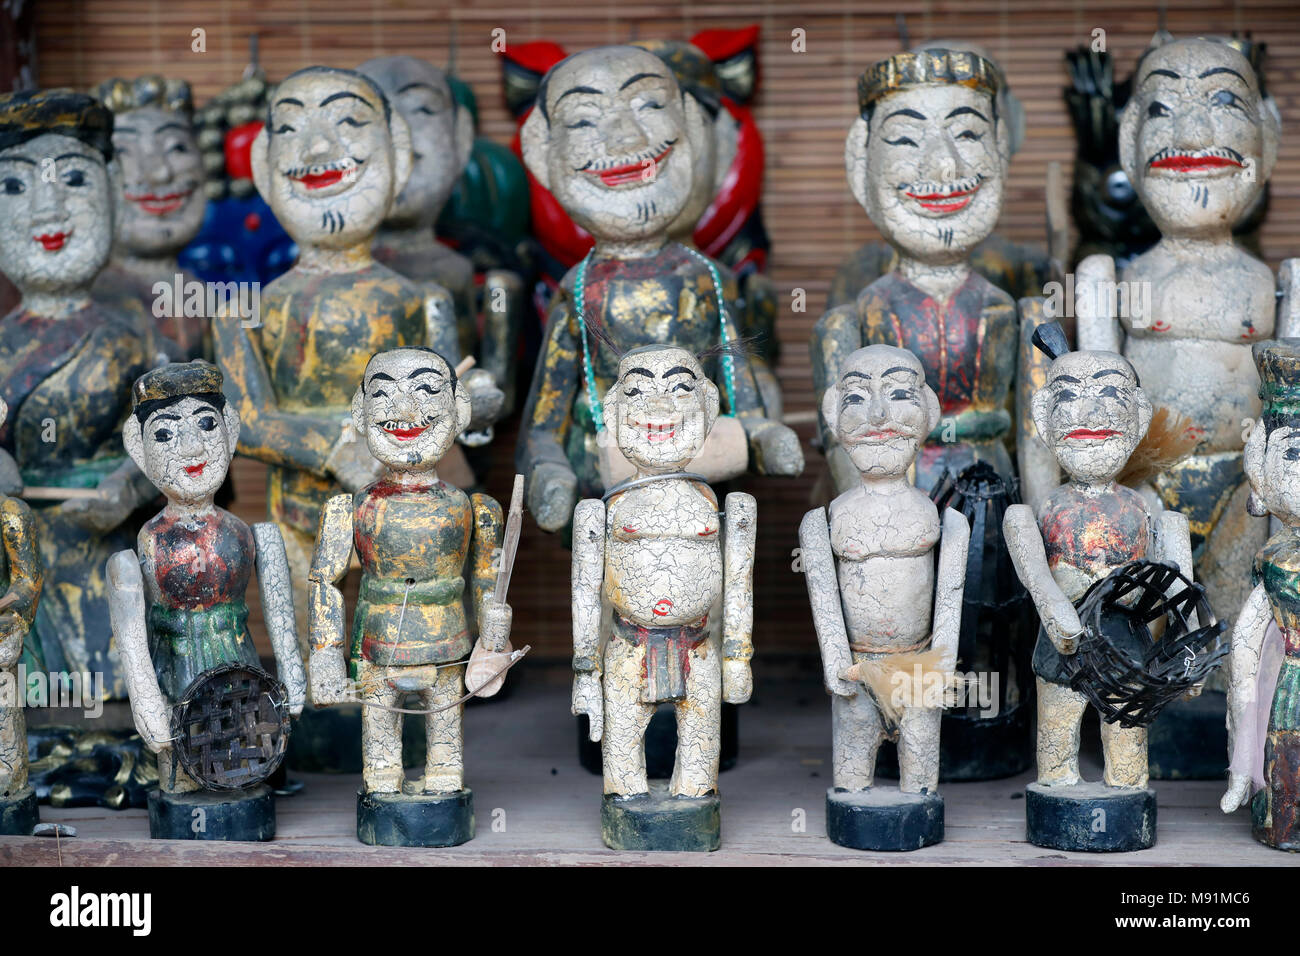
(659, 821)
(976, 748)
(19, 813)
(1090, 817)
(661, 742)
(1189, 739)
(1268, 835)
(419, 819)
(244, 815)
(883, 818)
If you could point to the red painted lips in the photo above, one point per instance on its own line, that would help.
(1094, 434)
(195, 470)
(160, 205)
(52, 241)
(662, 607)
(406, 434)
(944, 202)
(631, 173)
(321, 180)
(1182, 164)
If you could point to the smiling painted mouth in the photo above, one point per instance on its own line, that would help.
(945, 199)
(662, 607)
(53, 241)
(404, 431)
(1093, 434)
(658, 431)
(156, 205)
(322, 175)
(633, 172)
(195, 470)
(877, 436)
(1186, 161)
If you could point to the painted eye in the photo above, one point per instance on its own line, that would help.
(426, 111)
(428, 390)
(971, 135)
(380, 393)
(163, 435)
(283, 128)
(349, 121)
(1110, 391)
(74, 177)
(683, 387)
(651, 105)
(178, 148)
(207, 423)
(13, 186)
(580, 124)
(901, 141)
(1065, 395)
(1157, 109)
(1291, 454)
(1229, 99)
(901, 394)
(632, 392)
(853, 399)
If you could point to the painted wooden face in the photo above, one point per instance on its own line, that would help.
(160, 199)
(1273, 468)
(410, 413)
(618, 156)
(331, 172)
(881, 409)
(934, 169)
(420, 93)
(661, 408)
(185, 448)
(1091, 413)
(56, 226)
(1194, 138)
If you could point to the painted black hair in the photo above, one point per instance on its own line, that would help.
(149, 406)
(451, 368)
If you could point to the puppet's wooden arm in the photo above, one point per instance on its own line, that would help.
(126, 612)
(276, 587)
(588, 580)
(949, 585)
(738, 596)
(1248, 636)
(824, 595)
(1055, 610)
(327, 665)
(1098, 328)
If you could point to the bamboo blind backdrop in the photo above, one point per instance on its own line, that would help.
(805, 103)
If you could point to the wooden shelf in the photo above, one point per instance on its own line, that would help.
(522, 766)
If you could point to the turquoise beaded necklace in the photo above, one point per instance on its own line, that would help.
(580, 307)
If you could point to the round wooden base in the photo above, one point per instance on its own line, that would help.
(415, 819)
(18, 813)
(1265, 834)
(244, 815)
(1090, 817)
(1189, 739)
(883, 818)
(659, 821)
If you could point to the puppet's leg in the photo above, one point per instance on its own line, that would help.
(1125, 750)
(626, 719)
(13, 740)
(699, 724)
(381, 731)
(856, 732)
(1060, 710)
(444, 763)
(918, 749)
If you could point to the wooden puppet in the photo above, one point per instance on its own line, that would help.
(1092, 413)
(1263, 728)
(67, 364)
(1198, 142)
(656, 549)
(615, 140)
(413, 534)
(1017, 269)
(177, 602)
(927, 159)
(20, 575)
(873, 584)
(442, 137)
(330, 161)
(159, 206)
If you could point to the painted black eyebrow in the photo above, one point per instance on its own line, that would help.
(640, 371)
(1110, 371)
(125, 129)
(1066, 378)
(345, 95)
(899, 368)
(179, 126)
(862, 375)
(1222, 69)
(416, 86)
(205, 407)
(642, 76)
(166, 415)
(19, 159)
(421, 371)
(71, 156)
(577, 89)
(289, 100)
(1162, 72)
(382, 376)
(906, 112)
(963, 110)
(679, 370)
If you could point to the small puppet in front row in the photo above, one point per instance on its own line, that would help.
(1270, 753)
(872, 581)
(412, 532)
(20, 576)
(656, 548)
(1092, 413)
(180, 622)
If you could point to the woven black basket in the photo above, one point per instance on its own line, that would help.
(231, 728)
(1126, 671)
